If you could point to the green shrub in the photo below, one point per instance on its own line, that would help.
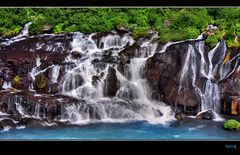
(58, 28)
(232, 124)
(141, 32)
(184, 23)
(37, 25)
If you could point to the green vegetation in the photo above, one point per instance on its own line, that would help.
(232, 124)
(17, 79)
(172, 24)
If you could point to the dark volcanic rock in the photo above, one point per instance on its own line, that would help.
(111, 83)
(163, 73)
(128, 53)
(6, 122)
(41, 83)
(208, 115)
(33, 122)
(41, 106)
(76, 55)
(180, 115)
(230, 93)
(54, 88)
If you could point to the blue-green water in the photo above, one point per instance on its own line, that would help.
(124, 131)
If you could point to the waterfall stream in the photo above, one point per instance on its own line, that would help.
(131, 102)
(90, 74)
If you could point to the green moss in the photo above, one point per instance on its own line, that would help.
(212, 40)
(17, 79)
(232, 124)
(141, 32)
(37, 25)
(233, 42)
(41, 81)
(72, 28)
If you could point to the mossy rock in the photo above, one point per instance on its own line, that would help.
(17, 79)
(232, 125)
(41, 81)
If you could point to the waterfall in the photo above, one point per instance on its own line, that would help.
(55, 73)
(102, 87)
(7, 85)
(21, 36)
(24, 31)
(214, 70)
(131, 102)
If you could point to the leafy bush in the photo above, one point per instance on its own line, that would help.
(182, 23)
(232, 124)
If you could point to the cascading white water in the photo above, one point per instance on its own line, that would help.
(7, 85)
(78, 83)
(21, 36)
(24, 31)
(55, 73)
(209, 94)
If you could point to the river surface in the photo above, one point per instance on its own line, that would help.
(141, 130)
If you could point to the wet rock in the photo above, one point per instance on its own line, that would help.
(230, 105)
(47, 28)
(157, 96)
(128, 53)
(180, 115)
(7, 122)
(41, 83)
(54, 88)
(1, 83)
(208, 115)
(32, 122)
(21, 82)
(111, 83)
(16, 116)
(95, 80)
(163, 72)
(76, 55)
(230, 87)
(121, 30)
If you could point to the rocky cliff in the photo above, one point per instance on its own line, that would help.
(71, 78)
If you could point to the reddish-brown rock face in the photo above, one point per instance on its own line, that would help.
(180, 77)
(163, 73)
(230, 103)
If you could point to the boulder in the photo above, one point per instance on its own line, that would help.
(32, 122)
(54, 88)
(7, 122)
(95, 80)
(208, 115)
(47, 28)
(111, 83)
(41, 83)
(128, 53)
(76, 54)
(180, 115)
(163, 72)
